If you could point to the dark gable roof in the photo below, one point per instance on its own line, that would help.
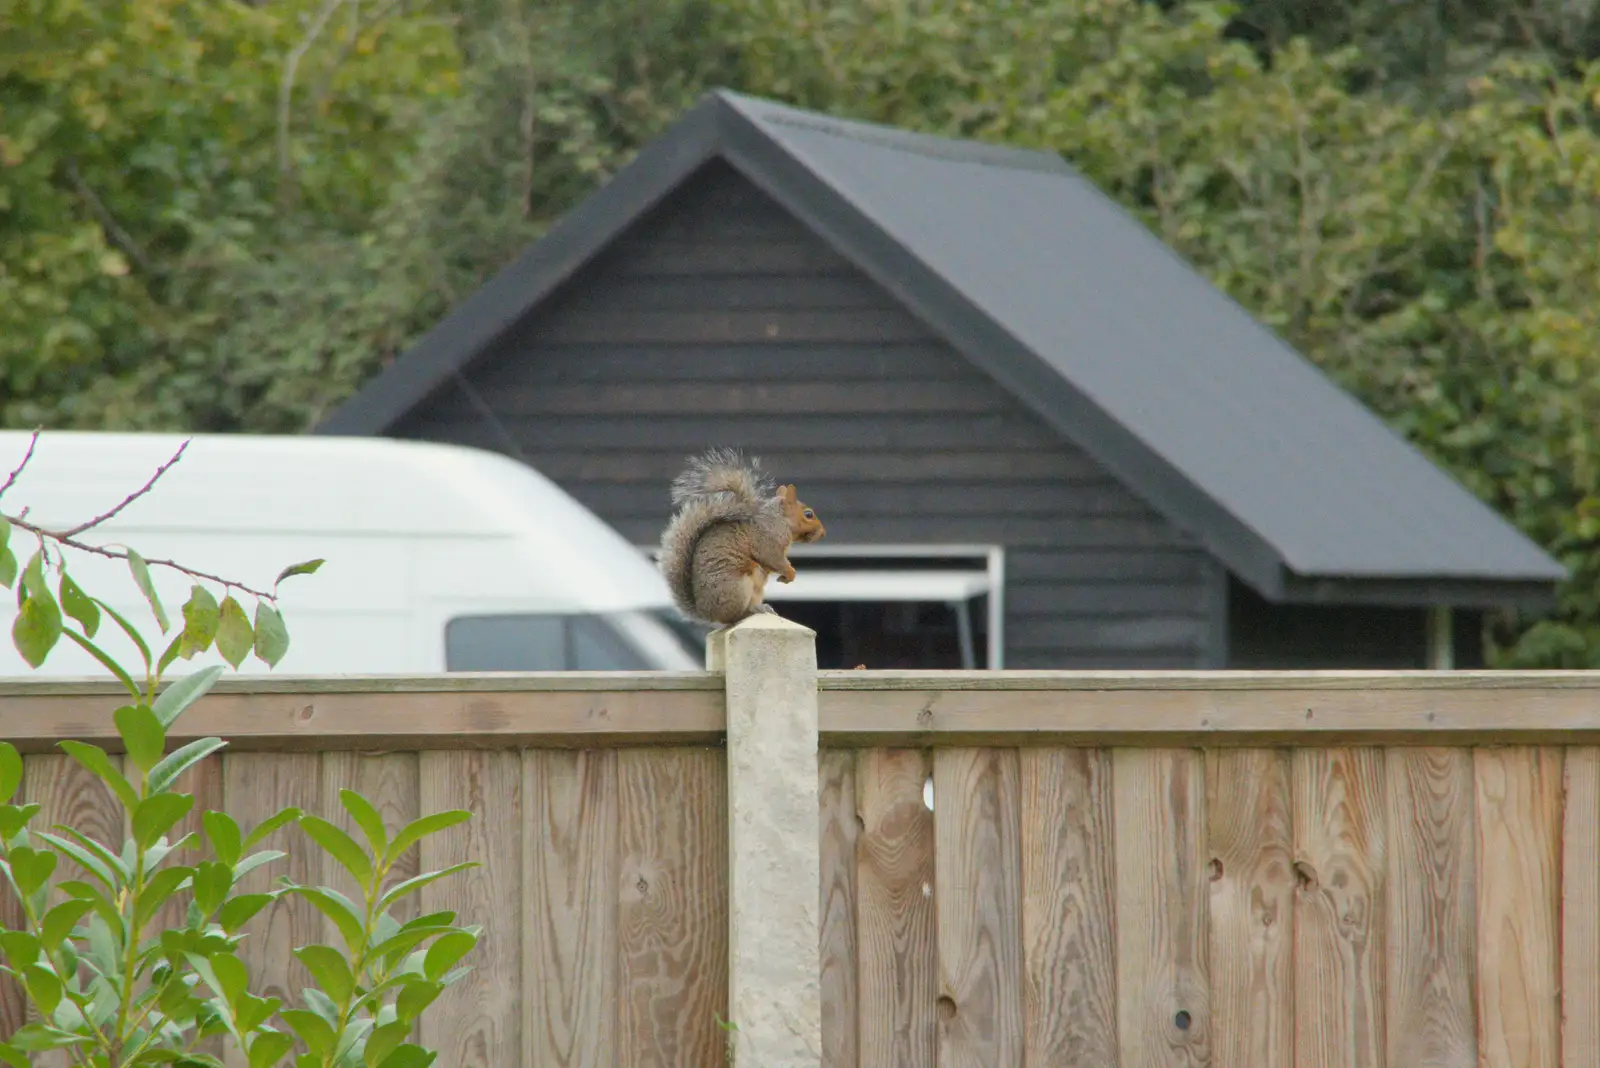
(1048, 285)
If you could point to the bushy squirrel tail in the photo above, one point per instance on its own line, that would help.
(719, 486)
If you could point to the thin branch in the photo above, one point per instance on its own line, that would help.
(16, 473)
(122, 554)
(363, 27)
(291, 66)
(108, 222)
(135, 495)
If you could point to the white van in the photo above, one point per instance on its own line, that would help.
(438, 557)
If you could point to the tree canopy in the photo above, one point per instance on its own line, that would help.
(218, 215)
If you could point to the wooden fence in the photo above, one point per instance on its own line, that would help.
(1241, 870)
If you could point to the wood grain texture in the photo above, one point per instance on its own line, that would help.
(1580, 909)
(1518, 793)
(1068, 907)
(898, 965)
(1431, 968)
(840, 831)
(257, 786)
(13, 1002)
(392, 783)
(1340, 830)
(673, 907)
(978, 861)
(570, 886)
(1163, 996)
(477, 1022)
(1248, 813)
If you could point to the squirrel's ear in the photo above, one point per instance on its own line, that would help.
(787, 493)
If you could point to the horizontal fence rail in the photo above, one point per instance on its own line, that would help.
(1250, 870)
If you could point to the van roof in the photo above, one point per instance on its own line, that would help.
(266, 485)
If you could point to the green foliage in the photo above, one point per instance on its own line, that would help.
(1407, 193)
(118, 984)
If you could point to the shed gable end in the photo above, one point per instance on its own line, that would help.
(720, 319)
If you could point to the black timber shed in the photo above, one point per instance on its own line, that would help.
(960, 350)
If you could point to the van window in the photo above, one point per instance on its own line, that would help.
(538, 642)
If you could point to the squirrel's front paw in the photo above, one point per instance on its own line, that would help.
(766, 609)
(787, 576)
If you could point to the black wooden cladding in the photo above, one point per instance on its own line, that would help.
(721, 320)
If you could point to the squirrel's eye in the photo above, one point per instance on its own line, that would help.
(810, 514)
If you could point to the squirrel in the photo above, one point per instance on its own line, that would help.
(731, 531)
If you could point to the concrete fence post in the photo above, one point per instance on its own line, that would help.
(774, 858)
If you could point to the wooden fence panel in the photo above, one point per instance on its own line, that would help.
(1580, 909)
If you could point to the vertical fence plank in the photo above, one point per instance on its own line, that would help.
(673, 911)
(1163, 1009)
(476, 1023)
(979, 872)
(1252, 908)
(1430, 1011)
(1340, 830)
(257, 785)
(1518, 794)
(1580, 909)
(1068, 908)
(839, 827)
(898, 965)
(570, 881)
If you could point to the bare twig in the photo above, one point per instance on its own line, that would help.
(16, 473)
(363, 27)
(108, 222)
(122, 554)
(130, 498)
(69, 538)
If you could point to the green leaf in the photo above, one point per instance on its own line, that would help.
(8, 567)
(340, 846)
(212, 881)
(268, 1048)
(339, 909)
(30, 868)
(43, 987)
(223, 834)
(238, 911)
(409, 1056)
(329, 968)
(367, 818)
(15, 817)
(142, 734)
(79, 605)
(309, 567)
(21, 948)
(383, 1041)
(36, 629)
(235, 637)
(158, 814)
(177, 697)
(5, 532)
(180, 760)
(162, 885)
(416, 830)
(444, 953)
(416, 997)
(312, 1029)
(36, 1037)
(59, 921)
(10, 772)
(253, 1011)
(232, 978)
(94, 759)
(141, 576)
(105, 660)
(91, 855)
(128, 629)
(270, 824)
(11, 1054)
(417, 882)
(272, 638)
(201, 617)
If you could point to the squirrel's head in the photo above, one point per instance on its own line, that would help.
(804, 526)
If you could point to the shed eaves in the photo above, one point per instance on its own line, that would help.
(1178, 363)
(1089, 318)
